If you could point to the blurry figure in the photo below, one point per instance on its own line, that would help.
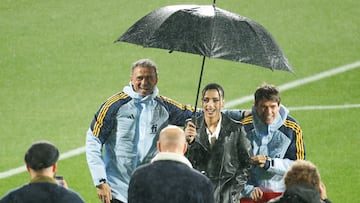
(170, 177)
(276, 140)
(41, 164)
(303, 185)
(218, 147)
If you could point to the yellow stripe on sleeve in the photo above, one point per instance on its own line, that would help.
(247, 120)
(177, 104)
(300, 151)
(104, 109)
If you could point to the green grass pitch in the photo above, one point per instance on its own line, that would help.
(58, 63)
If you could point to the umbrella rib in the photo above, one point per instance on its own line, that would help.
(262, 44)
(212, 31)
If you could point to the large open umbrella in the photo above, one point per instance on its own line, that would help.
(208, 31)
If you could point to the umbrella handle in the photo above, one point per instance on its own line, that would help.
(198, 89)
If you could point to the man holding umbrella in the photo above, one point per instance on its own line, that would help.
(218, 147)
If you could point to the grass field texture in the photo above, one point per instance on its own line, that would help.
(58, 63)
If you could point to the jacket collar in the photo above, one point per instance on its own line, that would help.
(301, 193)
(217, 130)
(200, 123)
(161, 156)
(262, 128)
(130, 91)
(43, 179)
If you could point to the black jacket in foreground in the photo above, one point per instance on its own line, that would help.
(166, 181)
(300, 194)
(41, 192)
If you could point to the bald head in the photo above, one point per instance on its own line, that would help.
(172, 139)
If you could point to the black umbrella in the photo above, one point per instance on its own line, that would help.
(208, 31)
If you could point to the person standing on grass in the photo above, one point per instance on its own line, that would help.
(41, 164)
(276, 139)
(170, 176)
(218, 147)
(126, 127)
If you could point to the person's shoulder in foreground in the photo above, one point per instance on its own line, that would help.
(163, 182)
(41, 163)
(41, 192)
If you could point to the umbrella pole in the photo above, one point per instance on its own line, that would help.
(198, 89)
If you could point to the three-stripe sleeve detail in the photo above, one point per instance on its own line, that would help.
(103, 111)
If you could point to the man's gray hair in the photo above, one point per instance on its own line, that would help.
(144, 63)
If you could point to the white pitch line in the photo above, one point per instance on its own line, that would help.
(299, 82)
(21, 169)
(233, 103)
(345, 106)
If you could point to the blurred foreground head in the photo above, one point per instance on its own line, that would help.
(303, 172)
(172, 139)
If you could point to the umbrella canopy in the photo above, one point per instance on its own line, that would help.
(208, 31)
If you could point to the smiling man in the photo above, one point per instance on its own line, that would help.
(124, 131)
(218, 147)
(276, 140)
